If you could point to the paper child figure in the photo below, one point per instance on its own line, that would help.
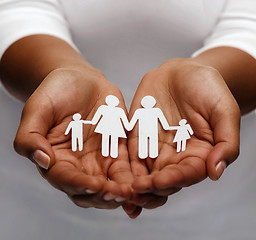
(147, 118)
(110, 125)
(182, 134)
(76, 128)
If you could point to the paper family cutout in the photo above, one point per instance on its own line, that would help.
(111, 123)
(76, 128)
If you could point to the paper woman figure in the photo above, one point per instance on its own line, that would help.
(148, 117)
(110, 119)
(76, 128)
(182, 135)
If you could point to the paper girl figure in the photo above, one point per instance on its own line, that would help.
(110, 125)
(148, 118)
(76, 128)
(182, 135)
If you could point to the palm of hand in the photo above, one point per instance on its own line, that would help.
(91, 180)
(185, 95)
(82, 173)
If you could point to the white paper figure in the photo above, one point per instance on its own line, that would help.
(110, 119)
(182, 134)
(147, 118)
(76, 128)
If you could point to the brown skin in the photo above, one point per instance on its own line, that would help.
(195, 89)
(199, 90)
(28, 61)
(63, 83)
(238, 69)
(186, 90)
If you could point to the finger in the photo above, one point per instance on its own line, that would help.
(138, 166)
(112, 191)
(132, 210)
(30, 139)
(226, 136)
(157, 201)
(143, 184)
(148, 200)
(120, 172)
(189, 171)
(67, 178)
(166, 192)
(107, 198)
(96, 201)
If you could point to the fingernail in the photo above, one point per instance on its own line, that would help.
(120, 199)
(42, 159)
(89, 191)
(109, 196)
(143, 203)
(221, 166)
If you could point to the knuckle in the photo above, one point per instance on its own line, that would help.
(237, 111)
(17, 144)
(158, 202)
(236, 153)
(26, 107)
(150, 74)
(80, 203)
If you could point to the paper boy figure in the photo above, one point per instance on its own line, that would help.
(76, 128)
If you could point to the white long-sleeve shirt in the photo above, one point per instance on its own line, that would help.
(125, 39)
(218, 23)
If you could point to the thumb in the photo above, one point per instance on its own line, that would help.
(30, 139)
(227, 140)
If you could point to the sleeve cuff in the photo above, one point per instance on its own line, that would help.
(17, 25)
(243, 46)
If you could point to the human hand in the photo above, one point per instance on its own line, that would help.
(89, 179)
(185, 89)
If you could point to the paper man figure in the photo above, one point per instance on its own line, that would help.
(148, 117)
(76, 128)
(110, 125)
(182, 134)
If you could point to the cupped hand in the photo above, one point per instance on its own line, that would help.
(88, 178)
(184, 89)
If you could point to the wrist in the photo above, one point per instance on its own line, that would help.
(187, 73)
(237, 69)
(185, 68)
(27, 62)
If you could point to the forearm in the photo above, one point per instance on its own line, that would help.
(29, 60)
(238, 70)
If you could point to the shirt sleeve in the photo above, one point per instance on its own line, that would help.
(21, 18)
(236, 28)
